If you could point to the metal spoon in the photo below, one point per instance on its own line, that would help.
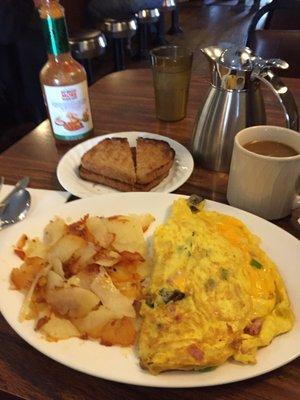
(16, 209)
(1, 181)
(21, 184)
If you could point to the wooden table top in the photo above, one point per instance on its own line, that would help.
(124, 101)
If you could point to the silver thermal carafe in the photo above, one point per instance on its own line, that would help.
(235, 101)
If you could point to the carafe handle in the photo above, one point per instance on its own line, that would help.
(283, 94)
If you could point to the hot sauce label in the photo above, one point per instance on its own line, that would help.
(69, 110)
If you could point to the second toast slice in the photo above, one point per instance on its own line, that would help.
(154, 158)
(111, 158)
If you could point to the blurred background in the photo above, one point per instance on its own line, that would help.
(110, 35)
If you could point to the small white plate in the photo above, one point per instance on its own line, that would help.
(122, 365)
(68, 167)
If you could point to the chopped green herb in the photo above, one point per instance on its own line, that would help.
(207, 369)
(196, 203)
(150, 301)
(224, 274)
(210, 284)
(171, 295)
(256, 264)
(184, 248)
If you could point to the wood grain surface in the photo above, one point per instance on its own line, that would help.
(124, 101)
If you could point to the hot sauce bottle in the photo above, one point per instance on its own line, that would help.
(63, 79)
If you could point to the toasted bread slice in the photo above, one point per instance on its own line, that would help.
(138, 187)
(154, 158)
(114, 183)
(113, 163)
(121, 186)
(111, 158)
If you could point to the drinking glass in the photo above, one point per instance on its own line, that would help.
(171, 66)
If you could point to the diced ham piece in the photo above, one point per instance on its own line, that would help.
(254, 327)
(195, 352)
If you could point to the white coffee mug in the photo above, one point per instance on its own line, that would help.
(266, 186)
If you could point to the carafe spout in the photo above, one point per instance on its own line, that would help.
(212, 53)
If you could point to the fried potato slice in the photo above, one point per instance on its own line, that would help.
(87, 275)
(122, 274)
(23, 276)
(110, 296)
(56, 265)
(93, 323)
(73, 302)
(78, 228)
(132, 290)
(130, 259)
(146, 220)
(65, 247)
(128, 234)
(59, 329)
(98, 227)
(79, 259)
(54, 231)
(85, 254)
(107, 258)
(119, 332)
(35, 248)
(54, 280)
(22, 241)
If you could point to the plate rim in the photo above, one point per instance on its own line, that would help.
(55, 211)
(101, 137)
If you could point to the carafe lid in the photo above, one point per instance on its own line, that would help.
(233, 68)
(237, 58)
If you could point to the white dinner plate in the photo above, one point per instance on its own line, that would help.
(117, 364)
(68, 167)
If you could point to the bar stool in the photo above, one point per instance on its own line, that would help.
(175, 28)
(145, 18)
(85, 46)
(118, 31)
(167, 6)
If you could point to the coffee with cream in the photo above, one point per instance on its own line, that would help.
(270, 148)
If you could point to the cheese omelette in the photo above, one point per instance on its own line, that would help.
(214, 294)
